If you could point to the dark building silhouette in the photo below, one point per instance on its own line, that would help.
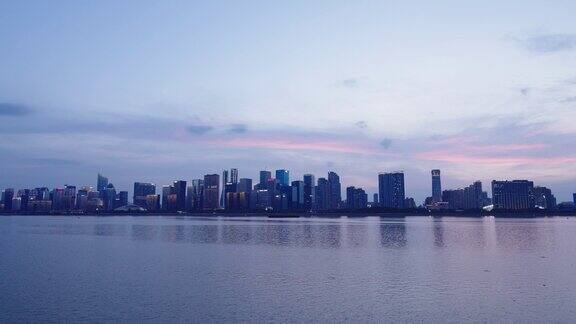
(108, 197)
(375, 199)
(391, 189)
(436, 186)
(233, 175)
(309, 191)
(122, 199)
(471, 197)
(180, 191)
(245, 185)
(543, 198)
(102, 183)
(513, 195)
(283, 177)
(211, 191)
(335, 190)
(264, 177)
(141, 191)
(322, 194)
(356, 198)
(8, 196)
(297, 195)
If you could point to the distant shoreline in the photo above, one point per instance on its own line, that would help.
(320, 214)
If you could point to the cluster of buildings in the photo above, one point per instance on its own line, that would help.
(275, 192)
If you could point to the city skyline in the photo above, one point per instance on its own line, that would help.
(233, 193)
(353, 87)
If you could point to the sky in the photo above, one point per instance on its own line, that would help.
(164, 90)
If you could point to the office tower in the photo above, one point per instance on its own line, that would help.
(309, 191)
(102, 183)
(237, 201)
(264, 177)
(356, 198)
(153, 202)
(391, 189)
(57, 199)
(513, 195)
(471, 197)
(297, 195)
(245, 185)
(109, 197)
(322, 194)
(543, 198)
(260, 200)
(335, 190)
(42, 193)
(25, 195)
(375, 199)
(225, 181)
(141, 190)
(8, 196)
(82, 198)
(166, 192)
(68, 201)
(180, 191)
(233, 175)
(436, 186)
(16, 204)
(122, 199)
(283, 177)
(211, 192)
(197, 194)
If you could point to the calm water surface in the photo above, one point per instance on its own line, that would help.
(166, 269)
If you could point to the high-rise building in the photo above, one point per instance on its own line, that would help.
(197, 197)
(245, 185)
(335, 190)
(309, 191)
(471, 197)
(141, 191)
(356, 198)
(153, 202)
(180, 191)
(166, 192)
(283, 177)
(375, 199)
(391, 189)
(234, 175)
(297, 195)
(121, 199)
(8, 196)
(264, 177)
(211, 192)
(513, 195)
(109, 197)
(322, 194)
(574, 199)
(436, 186)
(225, 181)
(543, 198)
(102, 183)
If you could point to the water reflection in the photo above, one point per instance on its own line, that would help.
(393, 234)
(516, 234)
(357, 234)
(438, 229)
(144, 232)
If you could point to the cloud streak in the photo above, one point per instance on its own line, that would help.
(14, 109)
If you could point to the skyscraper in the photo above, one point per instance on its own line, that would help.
(233, 175)
(513, 195)
(543, 198)
(264, 177)
(8, 195)
(297, 195)
(471, 197)
(391, 189)
(309, 191)
(225, 181)
(211, 191)
(436, 186)
(283, 177)
(335, 190)
(245, 185)
(102, 183)
(197, 198)
(356, 198)
(322, 194)
(141, 190)
(180, 191)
